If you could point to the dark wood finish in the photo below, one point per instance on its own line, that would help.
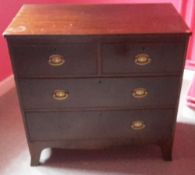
(167, 147)
(99, 43)
(119, 58)
(112, 92)
(96, 124)
(35, 152)
(80, 59)
(97, 20)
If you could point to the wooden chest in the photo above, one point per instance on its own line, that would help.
(94, 76)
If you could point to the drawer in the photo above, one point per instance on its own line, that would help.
(135, 124)
(105, 92)
(142, 58)
(54, 60)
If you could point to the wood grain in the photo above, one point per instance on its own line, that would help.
(104, 19)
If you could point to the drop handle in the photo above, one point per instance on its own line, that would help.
(56, 60)
(139, 93)
(138, 125)
(59, 94)
(142, 59)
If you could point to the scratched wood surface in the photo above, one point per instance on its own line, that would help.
(97, 20)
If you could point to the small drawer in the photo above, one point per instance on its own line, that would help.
(132, 125)
(105, 92)
(124, 58)
(54, 60)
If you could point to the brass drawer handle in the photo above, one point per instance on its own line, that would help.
(56, 60)
(60, 94)
(142, 59)
(139, 93)
(138, 125)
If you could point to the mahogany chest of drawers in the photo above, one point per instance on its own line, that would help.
(94, 76)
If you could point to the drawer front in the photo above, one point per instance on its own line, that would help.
(139, 124)
(54, 60)
(108, 92)
(143, 58)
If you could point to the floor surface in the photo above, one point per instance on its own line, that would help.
(141, 160)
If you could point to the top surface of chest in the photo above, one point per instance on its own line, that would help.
(113, 19)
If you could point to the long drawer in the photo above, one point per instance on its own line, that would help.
(107, 92)
(132, 124)
(69, 59)
(124, 58)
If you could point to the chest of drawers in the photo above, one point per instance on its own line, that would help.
(95, 76)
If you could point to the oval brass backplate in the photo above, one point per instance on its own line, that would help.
(56, 60)
(139, 93)
(138, 125)
(142, 59)
(60, 94)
